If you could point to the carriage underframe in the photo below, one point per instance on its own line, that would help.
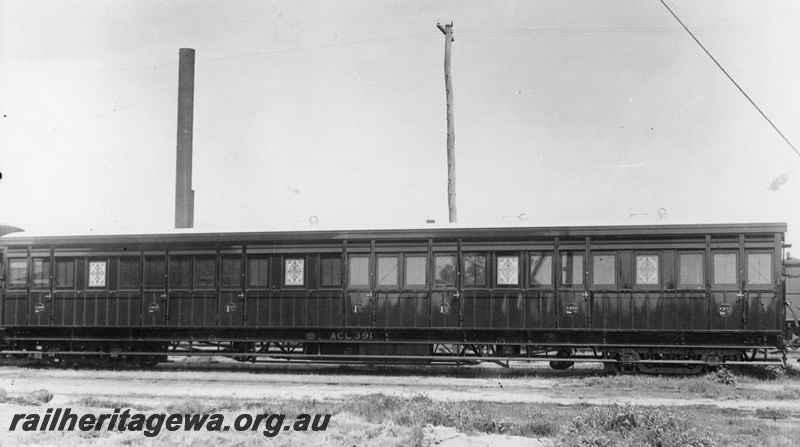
(620, 351)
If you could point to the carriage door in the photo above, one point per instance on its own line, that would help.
(762, 305)
(448, 303)
(231, 293)
(574, 302)
(154, 296)
(401, 290)
(388, 305)
(727, 289)
(40, 298)
(359, 310)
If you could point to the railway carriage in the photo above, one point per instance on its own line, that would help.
(658, 298)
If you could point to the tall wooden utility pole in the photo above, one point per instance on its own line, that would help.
(184, 195)
(447, 29)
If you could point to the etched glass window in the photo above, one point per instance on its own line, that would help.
(17, 273)
(154, 268)
(295, 272)
(691, 265)
(541, 269)
(180, 272)
(257, 271)
(759, 268)
(65, 273)
(508, 270)
(647, 270)
(416, 267)
(97, 273)
(129, 273)
(331, 271)
(358, 269)
(40, 272)
(571, 269)
(605, 272)
(474, 270)
(724, 268)
(445, 270)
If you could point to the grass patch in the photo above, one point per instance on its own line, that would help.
(772, 413)
(381, 420)
(629, 426)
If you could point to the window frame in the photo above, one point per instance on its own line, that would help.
(46, 282)
(771, 263)
(164, 281)
(659, 270)
(196, 259)
(284, 277)
(358, 286)
(339, 277)
(560, 277)
(223, 261)
(263, 261)
(88, 273)
(496, 270)
(74, 262)
(605, 286)
(425, 280)
(736, 268)
(173, 260)
(120, 283)
(703, 272)
(454, 257)
(25, 278)
(396, 284)
(531, 277)
(464, 270)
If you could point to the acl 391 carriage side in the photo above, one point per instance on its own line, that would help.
(666, 298)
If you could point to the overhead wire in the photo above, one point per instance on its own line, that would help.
(731, 79)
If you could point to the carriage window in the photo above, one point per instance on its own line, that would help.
(647, 270)
(180, 272)
(97, 274)
(331, 271)
(295, 272)
(541, 269)
(359, 271)
(605, 272)
(387, 270)
(257, 271)
(415, 271)
(154, 268)
(129, 273)
(445, 270)
(724, 268)
(691, 265)
(65, 273)
(205, 272)
(231, 271)
(41, 272)
(571, 269)
(17, 273)
(474, 270)
(507, 270)
(759, 268)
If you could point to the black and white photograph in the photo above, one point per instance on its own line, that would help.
(525, 223)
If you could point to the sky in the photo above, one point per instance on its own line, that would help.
(566, 112)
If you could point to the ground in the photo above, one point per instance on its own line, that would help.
(376, 405)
